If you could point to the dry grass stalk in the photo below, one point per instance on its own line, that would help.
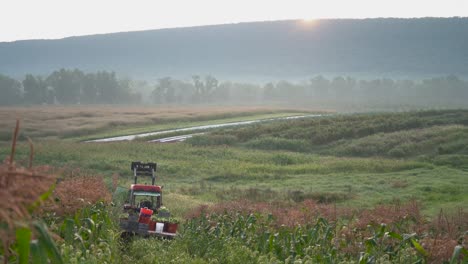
(20, 189)
(74, 193)
(115, 182)
(284, 213)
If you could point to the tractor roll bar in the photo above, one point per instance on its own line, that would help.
(144, 169)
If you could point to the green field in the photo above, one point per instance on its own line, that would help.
(418, 156)
(349, 162)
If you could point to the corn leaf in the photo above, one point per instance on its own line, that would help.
(23, 236)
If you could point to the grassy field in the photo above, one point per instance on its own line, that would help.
(86, 122)
(219, 173)
(420, 156)
(342, 163)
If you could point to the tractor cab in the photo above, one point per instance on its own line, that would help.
(145, 196)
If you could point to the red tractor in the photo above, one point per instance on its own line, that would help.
(143, 201)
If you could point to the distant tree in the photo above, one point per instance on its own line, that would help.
(245, 92)
(108, 89)
(286, 90)
(338, 88)
(199, 88)
(204, 89)
(10, 91)
(269, 91)
(67, 85)
(211, 84)
(50, 95)
(89, 90)
(163, 91)
(157, 95)
(222, 92)
(183, 91)
(455, 88)
(405, 91)
(35, 90)
(126, 93)
(320, 87)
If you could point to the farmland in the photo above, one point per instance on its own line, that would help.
(276, 190)
(65, 122)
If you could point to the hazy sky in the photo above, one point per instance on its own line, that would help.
(33, 19)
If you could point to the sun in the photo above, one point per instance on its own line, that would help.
(309, 22)
(309, 19)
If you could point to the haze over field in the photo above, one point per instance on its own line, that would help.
(259, 51)
(344, 64)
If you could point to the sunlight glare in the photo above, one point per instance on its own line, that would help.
(309, 22)
(309, 19)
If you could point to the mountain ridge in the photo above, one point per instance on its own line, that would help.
(274, 49)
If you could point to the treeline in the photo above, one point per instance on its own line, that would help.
(67, 87)
(76, 87)
(448, 91)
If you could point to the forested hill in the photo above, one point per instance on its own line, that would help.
(282, 49)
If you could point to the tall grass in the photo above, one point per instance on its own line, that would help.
(87, 230)
(437, 140)
(23, 190)
(385, 134)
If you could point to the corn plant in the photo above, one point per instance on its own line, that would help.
(319, 241)
(90, 235)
